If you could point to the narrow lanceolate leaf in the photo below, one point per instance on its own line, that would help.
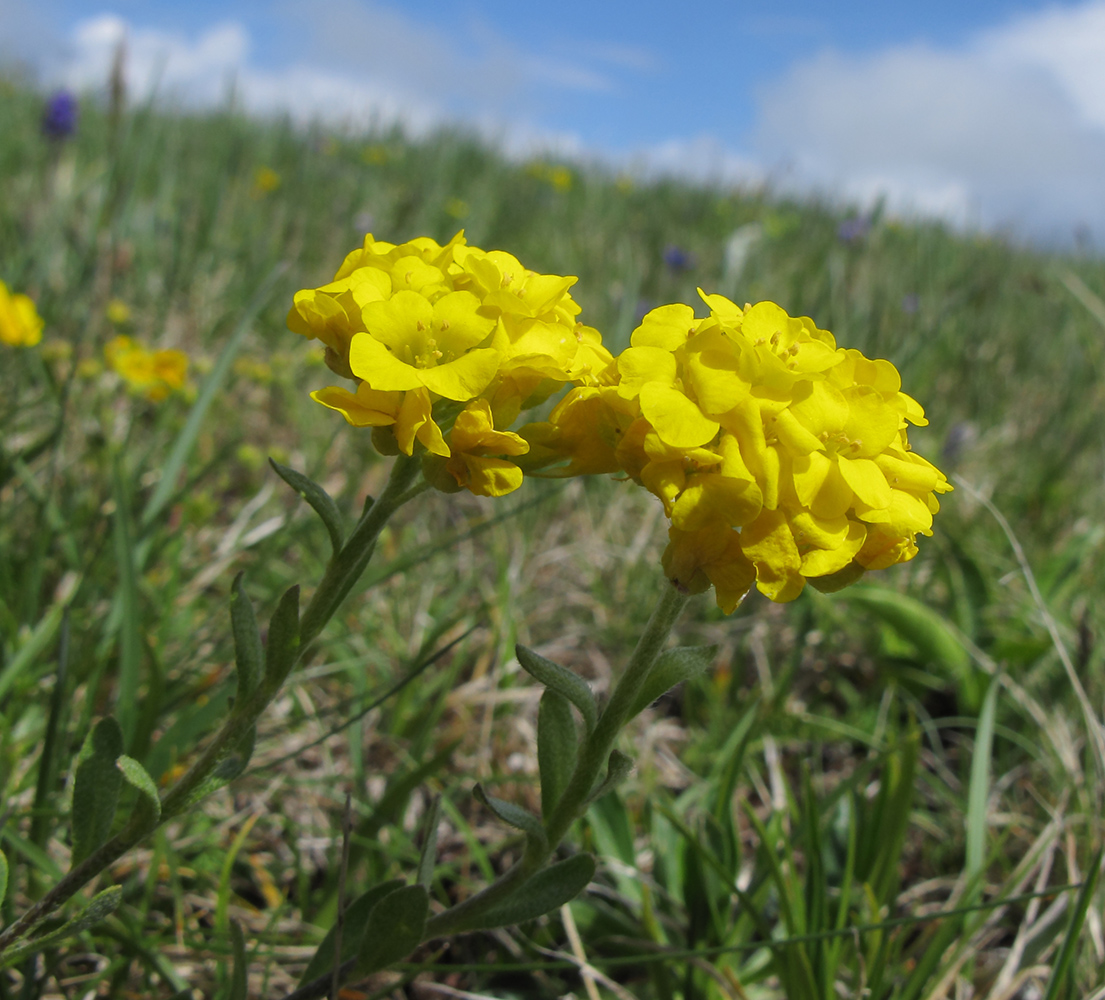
(318, 498)
(557, 747)
(130, 636)
(978, 791)
(149, 802)
(394, 929)
(673, 667)
(352, 933)
(563, 681)
(428, 859)
(249, 657)
(102, 906)
(512, 815)
(617, 770)
(283, 643)
(3, 876)
(96, 788)
(239, 973)
(548, 890)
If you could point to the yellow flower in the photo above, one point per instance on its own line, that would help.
(265, 181)
(118, 312)
(436, 333)
(779, 457)
(154, 374)
(20, 323)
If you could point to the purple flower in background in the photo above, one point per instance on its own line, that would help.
(678, 259)
(853, 229)
(59, 120)
(911, 303)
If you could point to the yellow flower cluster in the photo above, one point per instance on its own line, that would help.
(447, 344)
(154, 374)
(20, 323)
(779, 457)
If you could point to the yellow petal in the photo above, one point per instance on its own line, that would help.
(638, 366)
(822, 562)
(667, 327)
(367, 408)
(676, 419)
(866, 480)
(370, 360)
(464, 378)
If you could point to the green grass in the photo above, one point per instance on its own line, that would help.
(798, 814)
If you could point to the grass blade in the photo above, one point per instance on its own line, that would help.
(186, 439)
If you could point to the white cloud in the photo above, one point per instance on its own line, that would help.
(1006, 131)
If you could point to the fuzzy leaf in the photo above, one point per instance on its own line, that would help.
(318, 498)
(563, 681)
(96, 788)
(283, 644)
(557, 747)
(149, 802)
(548, 890)
(673, 667)
(248, 654)
(101, 906)
(394, 929)
(512, 815)
(353, 929)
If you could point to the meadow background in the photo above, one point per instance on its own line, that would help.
(852, 765)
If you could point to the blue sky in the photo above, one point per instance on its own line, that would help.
(990, 113)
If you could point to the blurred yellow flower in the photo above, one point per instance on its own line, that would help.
(456, 207)
(779, 457)
(118, 312)
(20, 323)
(375, 155)
(154, 374)
(265, 181)
(559, 178)
(438, 334)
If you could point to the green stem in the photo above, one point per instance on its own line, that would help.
(341, 576)
(593, 756)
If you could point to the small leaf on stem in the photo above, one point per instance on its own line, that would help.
(560, 679)
(318, 498)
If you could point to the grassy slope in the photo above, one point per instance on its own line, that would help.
(865, 698)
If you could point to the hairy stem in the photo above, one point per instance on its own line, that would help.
(593, 755)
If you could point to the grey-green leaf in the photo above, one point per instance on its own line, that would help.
(562, 680)
(548, 890)
(149, 802)
(673, 667)
(394, 929)
(96, 788)
(617, 770)
(352, 932)
(102, 905)
(512, 815)
(249, 657)
(318, 498)
(557, 747)
(282, 647)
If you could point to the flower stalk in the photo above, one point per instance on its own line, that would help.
(594, 753)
